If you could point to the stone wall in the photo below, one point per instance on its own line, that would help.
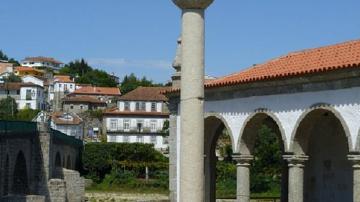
(27, 166)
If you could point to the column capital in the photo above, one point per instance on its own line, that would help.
(242, 159)
(192, 4)
(296, 160)
(355, 160)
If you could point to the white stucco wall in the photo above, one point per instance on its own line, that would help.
(288, 109)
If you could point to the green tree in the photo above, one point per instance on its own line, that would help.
(130, 82)
(12, 78)
(267, 165)
(76, 68)
(3, 56)
(97, 78)
(8, 109)
(26, 114)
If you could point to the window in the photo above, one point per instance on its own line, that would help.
(143, 106)
(153, 107)
(59, 85)
(126, 139)
(139, 139)
(28, 94)
(71, 106)
(153, 140)
(153, 125)
(137, 106)
(28, 105)
(127, 106)
(18, 92)
(113, 124)
(140, 124)
(126, 124)
(81, 107)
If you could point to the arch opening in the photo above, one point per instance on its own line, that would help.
(20, 178)
(6, 177)
(327, 173)
(218, 155)
(68, 162)
(263, 139)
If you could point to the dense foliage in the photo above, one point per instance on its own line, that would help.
(101, 159)
(84, 73)
(12, 78)
(9, 111)
(130, 82)
(3, 56)
(265, 171)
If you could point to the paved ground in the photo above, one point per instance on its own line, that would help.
(125, 197)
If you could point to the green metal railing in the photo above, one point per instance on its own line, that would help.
(62, 137)
(30, 128)
(17, 127)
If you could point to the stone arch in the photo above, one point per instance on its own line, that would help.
(20, 177)
(57, 160)
(250, 126)
(68, 162)
(217, 117)
(298, 146)
(322, 134)
(6, 176)
(214, 125)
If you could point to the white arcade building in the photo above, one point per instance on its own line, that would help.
(310, 98)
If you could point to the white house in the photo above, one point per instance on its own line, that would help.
(61, 86)
(139, 117)
(32, 79)
(31, 96)
(6, 69)
(42, 62)
(68, 123)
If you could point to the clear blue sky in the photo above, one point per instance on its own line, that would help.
(139, 36)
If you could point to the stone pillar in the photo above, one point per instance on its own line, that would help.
(192, 100)
(296, 164)
(355, 160)
(173, 157)
(243, 177)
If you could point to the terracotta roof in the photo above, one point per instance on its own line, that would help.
(42, 59)
(63, 79)
(116, 112)
(25, 68)
(17, 85)
(82, 99)
(60, 118)
(90, 90)
(146, 94)
(339, 56)
(10, 86)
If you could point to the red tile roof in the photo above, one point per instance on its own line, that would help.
(60, 118)
(116, 112)
(63, 79)
(146, 94)
(25, 68)
(83, 99)
(339, 56)
(90, 90)
(42, 59)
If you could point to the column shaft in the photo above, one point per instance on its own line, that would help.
(191, 109)
(242, 182)
(296, 177)
(243, 177)
(355, 160)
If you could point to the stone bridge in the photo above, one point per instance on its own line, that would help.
(38, 163)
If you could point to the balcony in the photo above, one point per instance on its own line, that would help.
(136, 130)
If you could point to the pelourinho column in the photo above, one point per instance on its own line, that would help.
(296, 164)
(243, 177)
(192, 100)
(355, 160)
